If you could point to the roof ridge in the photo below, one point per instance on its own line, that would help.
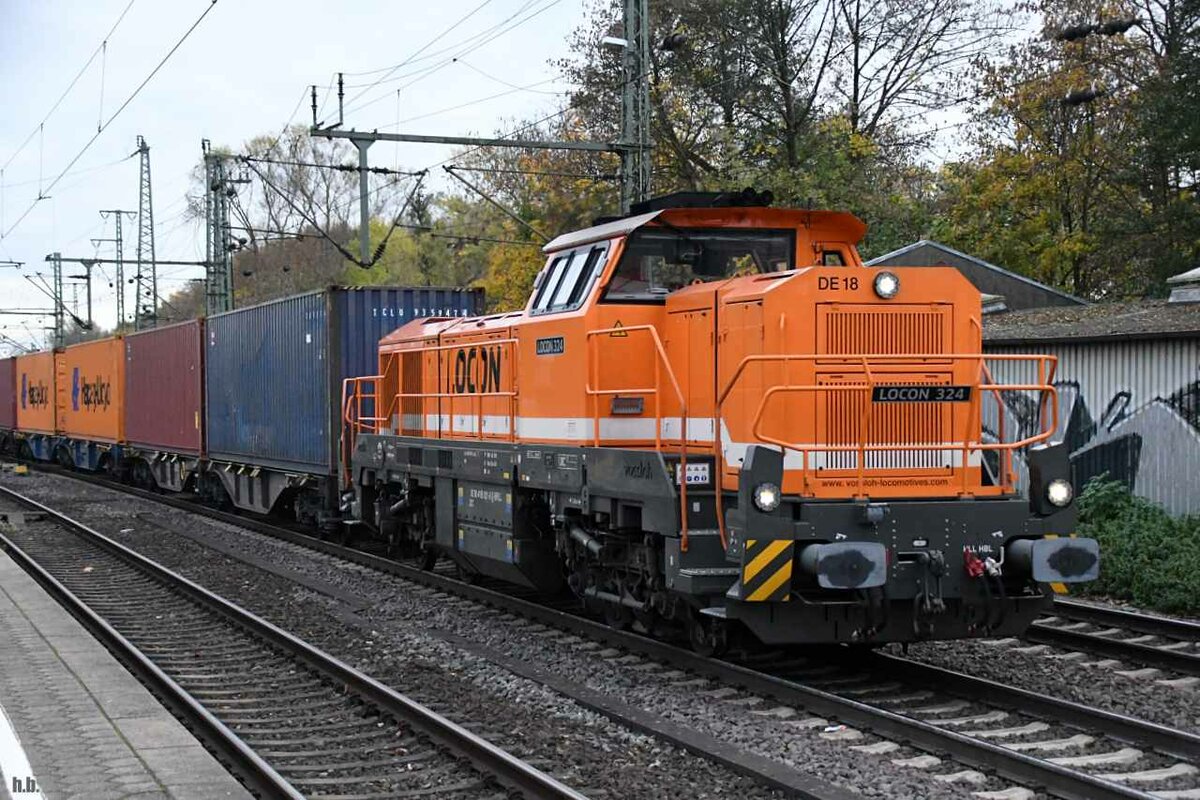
(985, 264)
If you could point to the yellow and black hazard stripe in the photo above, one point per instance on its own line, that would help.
(767, 569)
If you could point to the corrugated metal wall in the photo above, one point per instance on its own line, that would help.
(1130, 409)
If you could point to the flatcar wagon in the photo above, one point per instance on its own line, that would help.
(711, 414)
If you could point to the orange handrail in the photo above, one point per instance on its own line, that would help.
(1045, 367)
(353, 421)
(512, 394)
(660, 362)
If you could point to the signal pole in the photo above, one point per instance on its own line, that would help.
(117, 239)
(60, 327)
(218, 257)
(145, 316)
(635, 105)
(86, 277)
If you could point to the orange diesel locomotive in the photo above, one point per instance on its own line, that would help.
(711, 413)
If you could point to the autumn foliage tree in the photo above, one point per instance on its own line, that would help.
(843, 104)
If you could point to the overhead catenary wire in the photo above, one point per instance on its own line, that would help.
(212, 4)
(70, 86)
(340, 167)
(426, 72)
(422, 49)
(477, 101)
(82, 171)
(317, 226)
(538, 173)
(501, 81)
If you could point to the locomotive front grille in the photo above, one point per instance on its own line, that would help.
(887, 424)
(883, 330)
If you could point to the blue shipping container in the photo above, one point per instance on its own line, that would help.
(274, 372)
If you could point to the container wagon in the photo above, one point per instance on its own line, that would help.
(36, 412)
(90, 392)
(164, 409)
(273, 386)
(8, 403)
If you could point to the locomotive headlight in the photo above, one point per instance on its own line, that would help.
(886, 285)
(1059, 492)
(766, 497)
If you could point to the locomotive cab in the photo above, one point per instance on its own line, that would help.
(711, 412)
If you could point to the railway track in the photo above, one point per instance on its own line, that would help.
(293, 721)
(980, 724)
(1158, 642)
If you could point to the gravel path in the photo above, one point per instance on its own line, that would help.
(437, 647)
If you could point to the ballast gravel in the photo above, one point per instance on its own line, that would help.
(1100, 685)
(436, 647)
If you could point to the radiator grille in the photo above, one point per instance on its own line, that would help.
(885, 330)
(890, 423)
(412, 380)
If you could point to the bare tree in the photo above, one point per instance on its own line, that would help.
(898, 55)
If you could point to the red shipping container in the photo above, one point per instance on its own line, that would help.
(8, 394)
(164, 388)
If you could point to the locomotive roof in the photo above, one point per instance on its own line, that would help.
(596, 233)
(850, 226)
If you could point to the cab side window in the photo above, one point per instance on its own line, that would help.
(568, 278)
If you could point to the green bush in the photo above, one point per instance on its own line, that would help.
(1145, 555)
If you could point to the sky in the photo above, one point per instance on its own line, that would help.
(243, 71)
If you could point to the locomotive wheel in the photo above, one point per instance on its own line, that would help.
(617, 616)
(707, 637)
(429, 558)
(647, 621)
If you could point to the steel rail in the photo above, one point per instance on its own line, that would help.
(1171, 741)
(486, 757)
(1153, 624)
(1148, 654)
(255, 773)
(1055, 779)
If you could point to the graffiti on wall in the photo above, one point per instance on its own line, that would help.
(1152, 446)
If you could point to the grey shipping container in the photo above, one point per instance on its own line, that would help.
(8, 393)
(274, 372)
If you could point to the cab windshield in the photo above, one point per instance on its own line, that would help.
(657, 261)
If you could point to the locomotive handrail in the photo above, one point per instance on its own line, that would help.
(660, 362)
(1046, 366)
(479, 396)
(353, 421)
